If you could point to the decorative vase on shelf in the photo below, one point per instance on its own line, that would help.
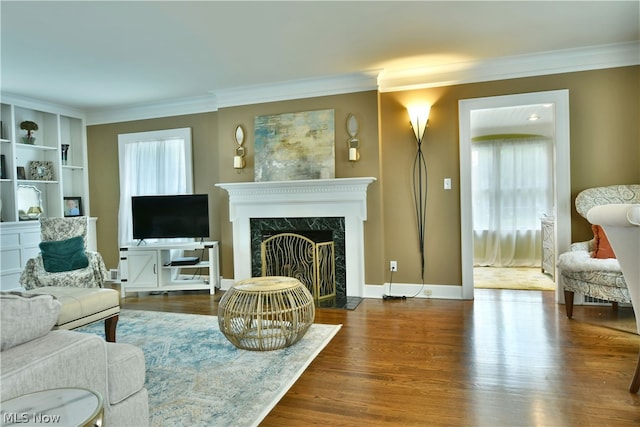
(64, 152)
(30, 127)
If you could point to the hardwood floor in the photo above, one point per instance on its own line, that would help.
(508, 358)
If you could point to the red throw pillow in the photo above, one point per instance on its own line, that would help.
(603, 247)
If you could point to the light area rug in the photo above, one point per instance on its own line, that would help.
(196, 377)
(519, 278)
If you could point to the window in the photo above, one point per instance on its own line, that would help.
(511, 190)
(152, 163)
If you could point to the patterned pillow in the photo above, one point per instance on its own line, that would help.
(25, 317)
(64, 255)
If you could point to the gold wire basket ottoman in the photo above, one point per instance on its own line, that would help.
(266, 313)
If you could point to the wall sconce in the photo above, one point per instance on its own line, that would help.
(419, 118)
(353, 143)
(238, 158)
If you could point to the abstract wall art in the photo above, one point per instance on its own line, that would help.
(295, 146)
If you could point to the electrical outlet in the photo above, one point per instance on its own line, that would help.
(447, 183)
(393, 265)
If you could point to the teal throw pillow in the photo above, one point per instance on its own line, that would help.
(64, 255)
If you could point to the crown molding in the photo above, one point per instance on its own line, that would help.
(545, 63)
(538, 64)
(257, 94)
(45, 106)
(298, 89)
(176, 107)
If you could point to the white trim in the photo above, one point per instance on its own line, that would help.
(297, 89)
(36, 104)
(340, 197)
(414, 290)
(562, 178)
(510, 67)
(175, 107)
(137, 137)
(536, 64)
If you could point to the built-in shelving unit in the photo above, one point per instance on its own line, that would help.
(40, 166)
(53, 179)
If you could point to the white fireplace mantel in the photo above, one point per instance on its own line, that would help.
(341, 197)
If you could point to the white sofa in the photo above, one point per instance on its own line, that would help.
(35, 358)
(621, 222)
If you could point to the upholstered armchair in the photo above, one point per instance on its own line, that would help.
(64, 259)
(590, 268)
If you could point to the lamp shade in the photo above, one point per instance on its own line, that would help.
(34, 210)
(419, 116)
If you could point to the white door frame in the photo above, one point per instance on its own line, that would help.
(561, 173)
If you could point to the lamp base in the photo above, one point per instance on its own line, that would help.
(392, 297)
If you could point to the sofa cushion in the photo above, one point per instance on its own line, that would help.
(64, 255)
(26, 317)
(603, 248)
(125, 371)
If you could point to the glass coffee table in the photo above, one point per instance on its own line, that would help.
(60, 407)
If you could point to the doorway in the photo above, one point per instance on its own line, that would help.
(516, 106)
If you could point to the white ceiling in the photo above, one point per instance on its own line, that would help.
(538, 119)
(94, 55)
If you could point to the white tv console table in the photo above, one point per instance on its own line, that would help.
(148, 268)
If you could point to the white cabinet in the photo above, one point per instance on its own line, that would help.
(548, 246)
(149, 268)
(142, 269)
(54, 164)
(18, 243)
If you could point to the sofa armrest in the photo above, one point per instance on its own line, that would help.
(59, 359)
(126, 371)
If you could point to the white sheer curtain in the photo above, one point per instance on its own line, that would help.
(151, 163)
(511, 190)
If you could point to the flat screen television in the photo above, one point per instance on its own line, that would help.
(170, 216)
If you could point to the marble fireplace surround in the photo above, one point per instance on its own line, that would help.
(340, 197)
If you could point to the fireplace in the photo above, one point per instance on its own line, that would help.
(317, 229)
(318, 198)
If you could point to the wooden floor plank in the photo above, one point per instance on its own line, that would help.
(508, 358)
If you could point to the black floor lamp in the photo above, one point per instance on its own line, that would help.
(419, 117)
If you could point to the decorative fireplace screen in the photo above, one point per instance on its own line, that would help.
(294, 255)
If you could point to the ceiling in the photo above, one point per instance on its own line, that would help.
(94, 55)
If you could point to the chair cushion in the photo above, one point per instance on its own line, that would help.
(64, 255)
(580, 261)
(603, 248)
(79, 305)
(25, 317)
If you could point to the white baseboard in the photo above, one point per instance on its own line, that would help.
(414, 290)
(399, 289)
